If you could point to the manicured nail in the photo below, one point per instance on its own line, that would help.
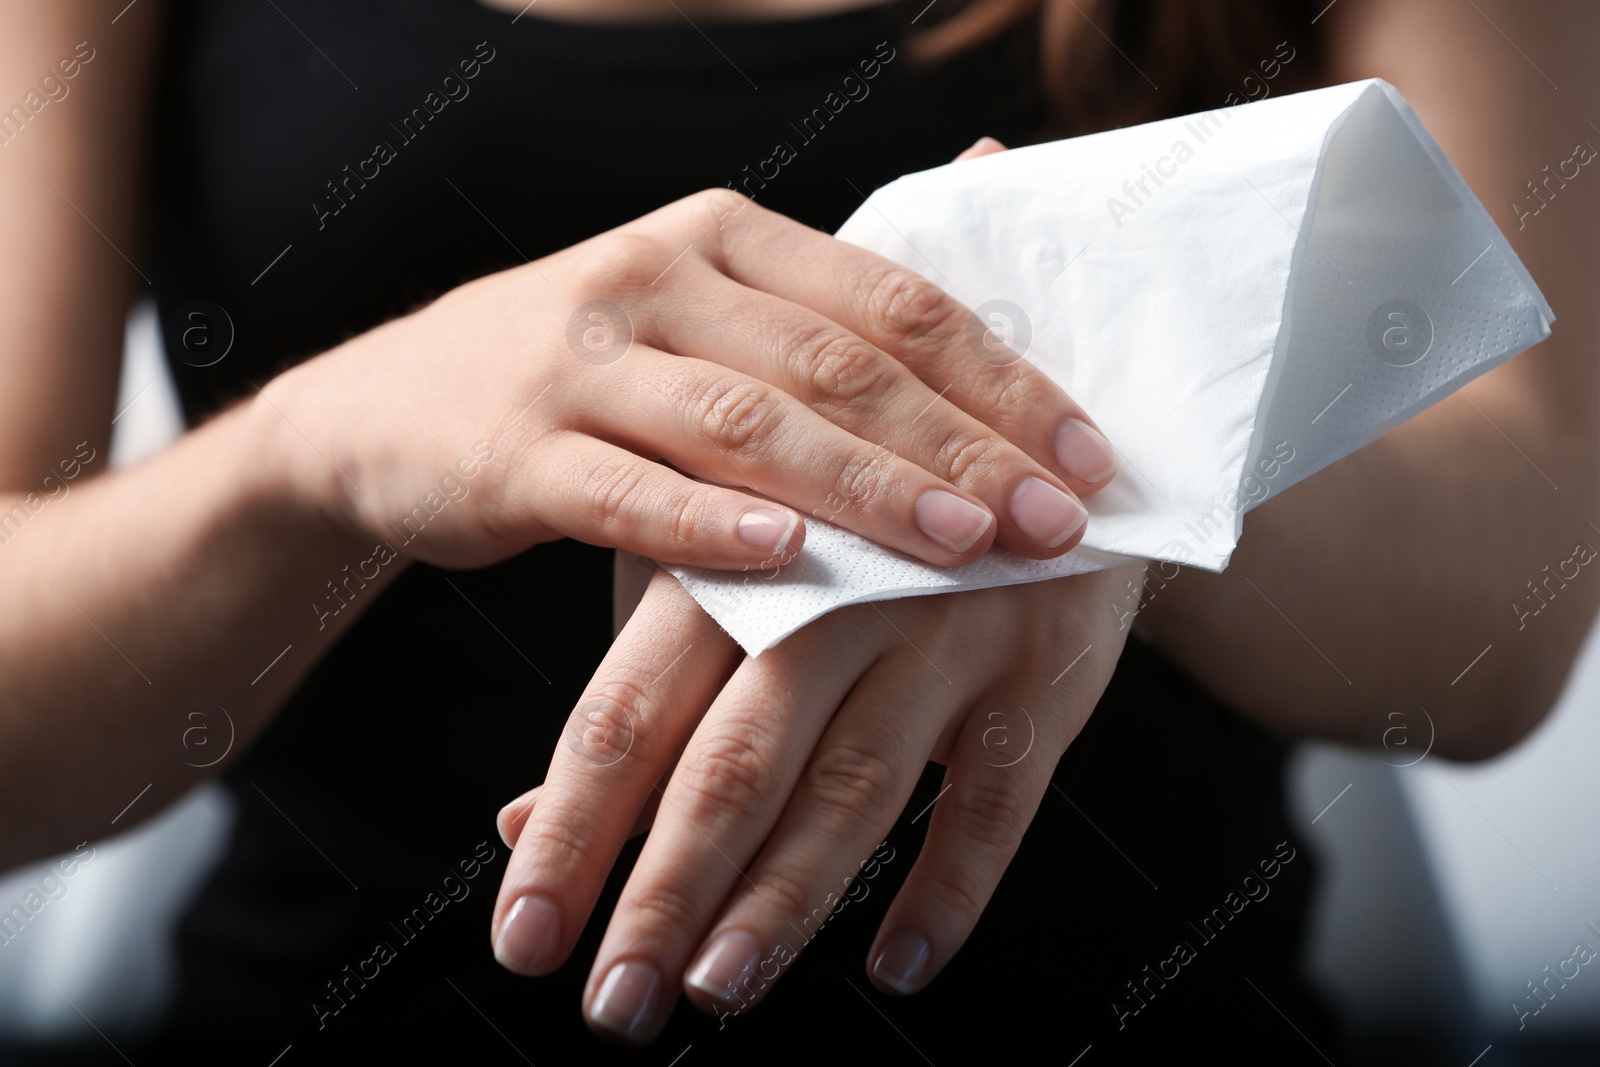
(732, 956)
(627, 1000)
(902, 961)
(529, 936)
(1084, 451)
(951, 521)
(1045, 513)
(768, 530)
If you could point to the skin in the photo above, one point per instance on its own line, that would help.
(214, 529)
(1467, 517)
(810, 393)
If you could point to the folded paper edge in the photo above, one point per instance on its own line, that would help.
(1100, 562)
(1478, 214)
(1280, 349)
(1459, 186)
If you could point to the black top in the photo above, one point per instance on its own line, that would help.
(395, 754)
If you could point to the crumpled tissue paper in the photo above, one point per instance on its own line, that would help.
(1238, 298)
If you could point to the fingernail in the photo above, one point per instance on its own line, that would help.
(1045, 513)
(902, 961)
(1084, 451)
(529, 936)
(768, 530)
(951, 521)
(627, 999)
(731, 956)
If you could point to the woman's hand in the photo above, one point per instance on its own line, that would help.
(777, 796)
(712, 340)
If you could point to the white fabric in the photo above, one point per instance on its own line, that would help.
(1300, 275)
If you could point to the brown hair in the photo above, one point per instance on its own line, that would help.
(1107, 63)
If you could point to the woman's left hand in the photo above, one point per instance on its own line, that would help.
(786, 772)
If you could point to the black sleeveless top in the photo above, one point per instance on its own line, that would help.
(322, 167)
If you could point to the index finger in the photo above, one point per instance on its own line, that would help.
(663, 670)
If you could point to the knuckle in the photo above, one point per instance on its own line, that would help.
(958, 889)
(737, 415)
(965, 455)
(731, 770)
(841, 369)
(613, 720)
(619, 264)
(728, 196)
(692, 517)
(991, 813)
(568, 842)
(611, 488)
(706, 219)
(1014, 388)
(909, 306)
(853, 781)
(787, 893)
(666, 905)
(864, 476)
(718, 208)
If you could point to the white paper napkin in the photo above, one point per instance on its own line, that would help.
(1238, 298)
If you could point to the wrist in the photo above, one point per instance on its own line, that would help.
(285, 475)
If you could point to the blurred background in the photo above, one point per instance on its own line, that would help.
(1446, 889)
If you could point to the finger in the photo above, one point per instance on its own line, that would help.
(975, 828)
(721, 802)
(662, 671)
(510, 819)
(860, 388)
(715, 422)
(968, 359)
(818, 857)
(609, 496)
(983, 146)
(514, 816)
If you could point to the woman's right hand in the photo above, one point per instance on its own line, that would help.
(712, 339)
